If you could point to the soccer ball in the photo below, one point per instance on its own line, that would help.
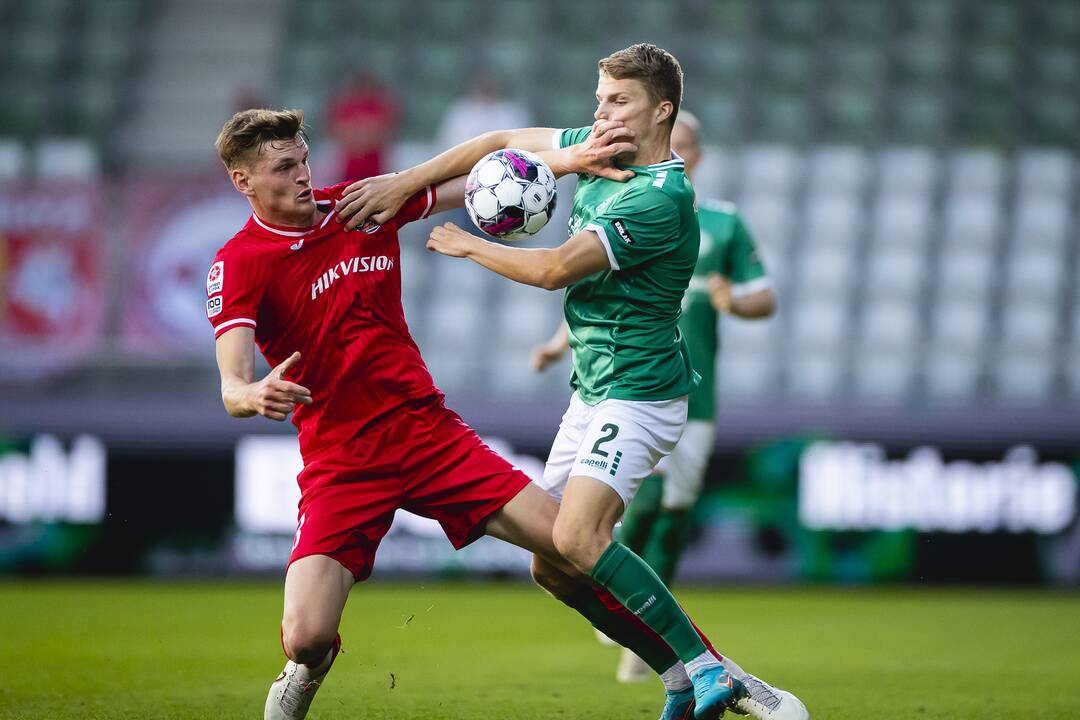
(510, 194)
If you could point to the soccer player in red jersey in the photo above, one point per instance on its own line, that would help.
(324, 307)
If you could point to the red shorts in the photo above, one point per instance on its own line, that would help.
(422, 458)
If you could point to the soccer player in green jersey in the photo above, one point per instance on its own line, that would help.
(729, 278)
(628, 261)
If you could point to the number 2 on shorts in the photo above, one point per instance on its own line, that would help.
(610, 430)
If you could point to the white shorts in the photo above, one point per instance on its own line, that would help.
(684, 468)
(617, 442)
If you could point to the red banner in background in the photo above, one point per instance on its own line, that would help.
(52, 279)
(173, 229)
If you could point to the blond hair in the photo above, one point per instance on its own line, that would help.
(655, 67)
(243, 136)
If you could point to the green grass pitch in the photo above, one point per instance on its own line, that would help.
(470, 652)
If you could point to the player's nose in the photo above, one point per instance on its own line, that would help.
(600, 114)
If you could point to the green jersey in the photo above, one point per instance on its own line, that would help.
(624, 321)
(728, 249)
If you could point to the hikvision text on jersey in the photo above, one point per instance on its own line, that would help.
(367, 263)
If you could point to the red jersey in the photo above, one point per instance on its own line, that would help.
(335, 297)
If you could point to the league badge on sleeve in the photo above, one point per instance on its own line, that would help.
(215, 279)
(213, 306)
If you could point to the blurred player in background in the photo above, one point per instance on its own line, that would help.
(483, 107)
(363, 118)
(324, 307)
(626, 266)
(729, 278)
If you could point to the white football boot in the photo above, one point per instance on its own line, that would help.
(764, 702)
(632, 669)
(291, 694)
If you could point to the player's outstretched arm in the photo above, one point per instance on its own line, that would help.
(547, 268)
(272, 397)
(379, 198)
(552, 351)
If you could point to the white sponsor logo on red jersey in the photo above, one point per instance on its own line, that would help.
(368, 263)
(215, 279)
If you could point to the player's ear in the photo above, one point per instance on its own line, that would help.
(241, 180)
(663, 111)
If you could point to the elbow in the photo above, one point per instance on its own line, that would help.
(770, 306)
(552, 273)
(498, 138)
(553, 278)
(756, 307)
(766, 310)
(548, 283)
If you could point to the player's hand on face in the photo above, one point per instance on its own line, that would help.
(719, 292)
(450, 240)
(275, 397)
(596, 156)
(375, 198)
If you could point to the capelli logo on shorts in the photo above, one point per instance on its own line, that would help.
(600, 464)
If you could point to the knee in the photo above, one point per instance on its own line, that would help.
(581, 548)
(306, 642)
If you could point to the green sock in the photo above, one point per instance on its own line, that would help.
(666, 543)
(637, 587)
(622, 629)
(637, 521)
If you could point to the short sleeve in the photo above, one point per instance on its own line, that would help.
(640, 225)
(742, 263)
(570, 136)
(416, 207)
(234, 289)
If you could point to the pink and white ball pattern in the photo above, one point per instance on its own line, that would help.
(510, 194)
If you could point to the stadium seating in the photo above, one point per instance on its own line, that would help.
(68, 68)
(908, 169)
